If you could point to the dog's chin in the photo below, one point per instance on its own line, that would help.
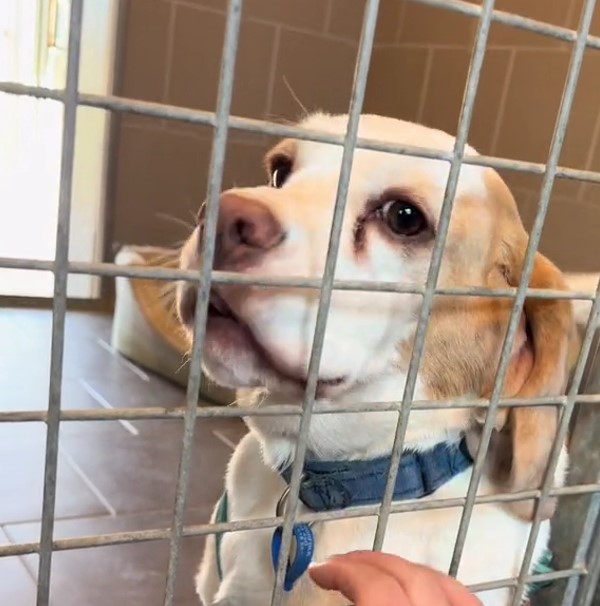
(234, 358)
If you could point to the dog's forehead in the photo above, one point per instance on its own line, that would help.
(382, 170)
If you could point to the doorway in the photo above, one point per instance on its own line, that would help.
(33, 51)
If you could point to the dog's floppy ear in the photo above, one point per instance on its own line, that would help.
(523, 436)
(522, 439)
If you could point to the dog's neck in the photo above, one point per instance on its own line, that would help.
(352, 436)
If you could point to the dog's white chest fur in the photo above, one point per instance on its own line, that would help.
(495, 541)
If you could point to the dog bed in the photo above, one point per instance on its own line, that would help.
(145, 326)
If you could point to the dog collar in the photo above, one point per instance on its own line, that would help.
(333, 485)
(330, 485)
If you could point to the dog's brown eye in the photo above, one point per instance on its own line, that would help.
(403, 218)
(280, 172)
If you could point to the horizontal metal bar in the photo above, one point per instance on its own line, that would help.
(555, 575)
(263, 127)
(157, 412)
(140, 536)
(513, 20)
(224, 277)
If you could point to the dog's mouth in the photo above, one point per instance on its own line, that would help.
(228, 330)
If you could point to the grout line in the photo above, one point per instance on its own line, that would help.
(252, 19)
(273, 71)
(570, 16)
(136, 370)
(589, 159)
(328, 16)
(400, 21)
(122, 515)
(88, 482)
(425, 86)
(223, 438)
(106, 404)
(169, 56)
(21, 559)
(456, 45)
(503, 98)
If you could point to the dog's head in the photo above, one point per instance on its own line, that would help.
(262, 336)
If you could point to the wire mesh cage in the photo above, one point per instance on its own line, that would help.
(576, 551)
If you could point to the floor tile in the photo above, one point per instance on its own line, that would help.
(139, 472)
(17, 587)
(118, 574)
(22, 454)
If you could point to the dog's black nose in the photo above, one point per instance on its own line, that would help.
(246, 229)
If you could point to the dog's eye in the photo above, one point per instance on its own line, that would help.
(280, 172)
(403, 218)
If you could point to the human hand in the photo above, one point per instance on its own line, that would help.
(376, 579)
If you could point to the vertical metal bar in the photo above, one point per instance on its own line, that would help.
(356, 104)
(434, 268)
(561, 434)
(588, 587)
(528, 263)
(230, 45)
(583, 548)
(59, 305)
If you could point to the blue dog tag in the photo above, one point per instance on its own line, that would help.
(301, 552)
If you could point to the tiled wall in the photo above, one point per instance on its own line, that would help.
(171, 53)
(421, 74)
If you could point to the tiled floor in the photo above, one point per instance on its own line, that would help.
(112, 476)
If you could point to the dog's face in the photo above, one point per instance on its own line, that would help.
(262, 336)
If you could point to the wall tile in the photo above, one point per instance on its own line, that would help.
(327, 87)
(347, 17)
(555, 13)
(145, 50)
(423, 24)
(306, 14)
(195, 67)
(158, 172)
(532, 107)
(446, 90)
(162, 172)
(396, 81)
(570, 236)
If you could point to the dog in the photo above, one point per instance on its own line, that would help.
(258, 340)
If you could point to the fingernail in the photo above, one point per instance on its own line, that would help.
(315, 564)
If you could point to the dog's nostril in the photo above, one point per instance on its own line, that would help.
(244, 232)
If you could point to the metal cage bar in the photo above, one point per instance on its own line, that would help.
(224, 277)
(563, 425)
(178, 412)
(193, 116)
(464, 123)
(526, 273)
(217, 163)
(582, 576)
(356, 103)
(138, 536)
(59, 308)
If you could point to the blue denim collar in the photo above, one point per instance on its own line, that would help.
(330, 485)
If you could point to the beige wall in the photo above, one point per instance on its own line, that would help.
(421, 76)
(171, 53)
